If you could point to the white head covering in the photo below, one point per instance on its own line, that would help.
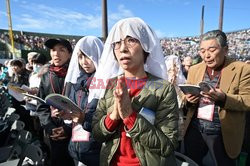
(109, 67)
(170, 61)
(92, 47)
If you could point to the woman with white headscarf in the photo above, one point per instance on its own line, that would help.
(136, 117)
(83, 64)
(176, 77)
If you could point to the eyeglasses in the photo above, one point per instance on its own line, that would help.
(128, 41)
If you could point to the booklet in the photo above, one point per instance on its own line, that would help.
(34, 97)
(196, 89)
(58, 101)
(16, 92)
(15, 88)
(190, 89)
(148, 114)
(26, 88)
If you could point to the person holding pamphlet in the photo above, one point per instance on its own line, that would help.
(58, 131)
(84, 62)
(137, 115)
(37, 61)
(215, 120)
(19, 77)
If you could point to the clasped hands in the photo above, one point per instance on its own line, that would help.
(122, 102)
(213, 94)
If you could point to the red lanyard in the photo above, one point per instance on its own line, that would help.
(52, 85)
(79, 99)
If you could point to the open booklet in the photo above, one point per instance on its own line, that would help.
(195, 89)
(16, 91)
(58, 101)
(16, 88)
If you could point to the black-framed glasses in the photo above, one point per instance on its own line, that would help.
(128, 41)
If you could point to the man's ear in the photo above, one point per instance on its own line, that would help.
(225, 49)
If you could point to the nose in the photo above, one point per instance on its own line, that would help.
(84, 60)
(207, 54)
(123, 46)
(55, 53)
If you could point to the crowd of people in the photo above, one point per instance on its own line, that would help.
(239, 42)
(180, 46)
(28, 41)
(133, 111)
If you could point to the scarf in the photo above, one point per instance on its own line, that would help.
(60, 71)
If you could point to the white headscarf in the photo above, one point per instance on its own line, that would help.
(170, 61)
(109, 67)
(92, 47)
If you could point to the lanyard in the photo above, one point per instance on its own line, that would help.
(79, 97)
(52, 85)
(217, 83)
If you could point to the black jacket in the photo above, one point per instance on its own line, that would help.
(50, 83)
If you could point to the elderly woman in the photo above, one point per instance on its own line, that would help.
(136, 117)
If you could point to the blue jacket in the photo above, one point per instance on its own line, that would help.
(79, 94)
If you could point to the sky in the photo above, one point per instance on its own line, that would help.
(168, 18)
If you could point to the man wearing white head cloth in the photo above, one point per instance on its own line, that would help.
(136, 117)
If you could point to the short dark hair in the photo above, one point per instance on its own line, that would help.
(216, 34)
(146, 54)
(39, 58)
(17, 62)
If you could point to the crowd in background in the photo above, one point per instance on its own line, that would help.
(68, 74)
(29, 42)
(239, 42)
